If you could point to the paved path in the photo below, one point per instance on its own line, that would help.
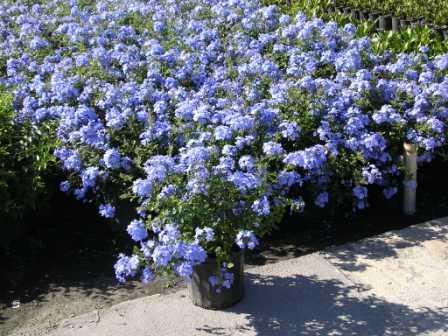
(393, 284)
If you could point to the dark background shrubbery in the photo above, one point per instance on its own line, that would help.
(26, 168)
(408, 39)
(435, 11)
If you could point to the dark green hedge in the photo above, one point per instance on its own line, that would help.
(25, 160)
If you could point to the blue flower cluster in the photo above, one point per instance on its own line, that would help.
(215, 115)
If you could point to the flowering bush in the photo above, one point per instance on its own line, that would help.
(213, 117)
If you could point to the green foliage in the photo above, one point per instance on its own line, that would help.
(25, 156)
(407, 40)
(309, 7)
(434, 10)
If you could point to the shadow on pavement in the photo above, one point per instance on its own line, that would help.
(376, 248)
(308, 306)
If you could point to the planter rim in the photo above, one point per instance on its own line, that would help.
(212, 259)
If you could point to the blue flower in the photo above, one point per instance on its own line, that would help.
(223, 133)
(289, 178)
(162, 255)
(372, 174)
(310, 158)
(64, 186)
(289, 130)
(112, 158)
(137, 230)
(213, 280)
(247, 162)
(169, 234)
(226, 165)
(374, 141)
(167, 191)
(441, 62)
(387, 114)
(147, 275)
(272, 148)
(184, 269)
(73, 162)
(142, 187)
(246, 239)
(228, 278)
(435, 124)
(390, 192)
(194, 253)
(107, 210)
(80, 193)
(321, 199)
(261, 206)
(360, 192)
(89, 176)
(206, 233)
(126, 267)
(244, 181)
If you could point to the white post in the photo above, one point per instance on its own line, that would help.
(410, 180)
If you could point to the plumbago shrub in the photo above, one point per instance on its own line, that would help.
(214, 117)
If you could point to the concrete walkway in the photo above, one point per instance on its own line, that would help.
(393, 284)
